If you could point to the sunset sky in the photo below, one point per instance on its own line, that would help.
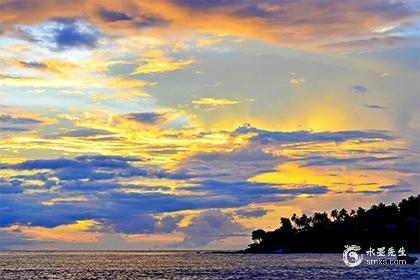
(189, 123)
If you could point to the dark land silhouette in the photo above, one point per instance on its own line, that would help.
(379, 226)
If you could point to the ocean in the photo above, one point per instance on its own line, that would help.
(190, 265)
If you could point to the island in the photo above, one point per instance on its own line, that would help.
(381, 225)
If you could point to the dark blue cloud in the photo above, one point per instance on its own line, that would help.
(91, 168)
(142, 223)
(112, 16)
(401, 187)
(256, 11)
(16, 124)
(32, 64)
(9, 187)
(205, 4)
(246, 189)
(133, 224)
(141, 20)
(388, 187)
(41, 164)
(14, 129)
(8, 119)
(28, 210)
(79, 162)
(358, 89)
(113, 202)
(70, 34)
(272, 137)
(150, 118)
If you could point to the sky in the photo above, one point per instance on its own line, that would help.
(186, 124)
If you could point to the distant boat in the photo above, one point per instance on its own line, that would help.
(408, 259)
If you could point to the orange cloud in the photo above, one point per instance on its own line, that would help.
(77, 232)
(301, 24)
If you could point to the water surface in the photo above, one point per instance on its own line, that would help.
(190, 265)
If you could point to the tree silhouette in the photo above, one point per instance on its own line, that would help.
(379, 226)
(258, 235)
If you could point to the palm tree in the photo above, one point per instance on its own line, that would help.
(334, 214)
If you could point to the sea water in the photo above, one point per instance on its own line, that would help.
(190, 265)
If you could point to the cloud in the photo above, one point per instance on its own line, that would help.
(240, 163)
(150, 20)
(82, 132)
(280, 19)
(14, 129)
(144, 224)
(99, 188)
(149, 118)
(297, 81)
(324, 161)
(19, 123)
(71, 34)
(260, 11)
(370, 43)
(251, 213)
(160, 64)
(275, 22)
(54, 66)
(8, 119)
(214, 102)
(358, 89)
(54, 175)
(244, 192)
(373, 106)
(136, 224)
(205, 5)
(271, 137)
(36, 65)
(113, 16)
(210, 226)
(84, 165)
(11, 240)
(112, 190)
(401, 187)
(168, 224)
(55, 200)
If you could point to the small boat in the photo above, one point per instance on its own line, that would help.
(408, 259)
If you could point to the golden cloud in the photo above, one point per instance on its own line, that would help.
(208, 101)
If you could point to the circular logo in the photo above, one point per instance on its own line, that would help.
(350, 256)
